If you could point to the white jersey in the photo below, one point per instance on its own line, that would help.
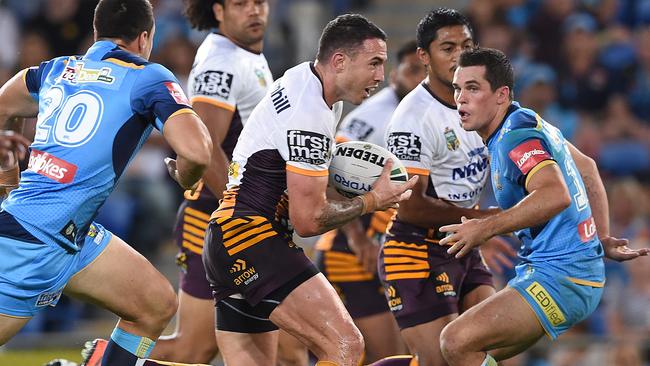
(291, 129)
(368, 121)
(229, 77)
(426, 135)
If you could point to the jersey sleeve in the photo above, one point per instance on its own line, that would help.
(217, 83)
(158, 94)
(408, 142)
(33, 77)
(306, 146)
(522, 153)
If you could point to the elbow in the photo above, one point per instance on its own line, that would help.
(563, 202)
(306, 226)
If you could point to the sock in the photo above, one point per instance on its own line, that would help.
(402, 360)
(125, 349)
(326, 363)
(489, 361)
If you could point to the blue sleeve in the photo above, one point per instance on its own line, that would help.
(157, 94)
(34, 77)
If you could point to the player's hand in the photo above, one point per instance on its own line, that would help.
(618, 250)
(11, 141)
(173, 172)
(464, 237)
(367, 252)
(386, 194)
(498, 254)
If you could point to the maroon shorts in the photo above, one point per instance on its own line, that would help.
(361, 291)
(191, 222)
(423, 282)
(251, 256)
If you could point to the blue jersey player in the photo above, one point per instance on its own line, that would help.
(551, 197)
(94, 113)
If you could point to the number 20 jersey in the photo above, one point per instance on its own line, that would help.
(519, 149)
(95, 112)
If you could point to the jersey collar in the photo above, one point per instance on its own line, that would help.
(99, 49)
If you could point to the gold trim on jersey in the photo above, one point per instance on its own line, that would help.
(216, 103)
(309, 173)
(239, 233)
(535, 169)
(182, 111)
(405, 261)
(586, 282)
(130, 65)
(344, 267)
(195, 223)
(227, 205)
(418, 171)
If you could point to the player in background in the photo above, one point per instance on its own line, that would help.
(348, 257)
(278, 181)
(229, 77)
(552, 198)
(427, 288)
(94, 112)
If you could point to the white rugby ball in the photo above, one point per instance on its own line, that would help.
(356, 165)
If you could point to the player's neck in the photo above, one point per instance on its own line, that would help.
(255, 47)
(443, 91)
(494, 124)
(131, 47)
(328, 80)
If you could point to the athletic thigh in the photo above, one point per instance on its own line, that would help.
(124, 282)
(504, 320)
(9, 326)
(314, 314)
(251, 349)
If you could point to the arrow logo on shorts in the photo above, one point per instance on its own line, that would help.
(239, 265)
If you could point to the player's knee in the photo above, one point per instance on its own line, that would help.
(353, 344)
(161, 307)
(451, 341)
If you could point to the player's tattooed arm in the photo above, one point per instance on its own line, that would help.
(311, 213)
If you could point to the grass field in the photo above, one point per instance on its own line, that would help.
(37, 357)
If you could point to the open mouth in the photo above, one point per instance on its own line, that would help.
(463, 115)
(370, 90)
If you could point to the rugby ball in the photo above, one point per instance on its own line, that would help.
(356, 165)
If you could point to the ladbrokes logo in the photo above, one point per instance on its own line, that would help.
(405, 145)
(528, 154)
(52, 167)
(308, 147)
(587, 229)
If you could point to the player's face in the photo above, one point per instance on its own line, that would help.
(477, 103)
(408, 74)
(362, 73)
(243, 20)
(442, 56)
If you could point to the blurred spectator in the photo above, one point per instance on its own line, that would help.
(536, 89)
(64, 23)
(546, 31)
(177, 54)
(9, 41)
(34, 49)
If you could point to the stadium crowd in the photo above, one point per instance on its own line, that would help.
(583, 64)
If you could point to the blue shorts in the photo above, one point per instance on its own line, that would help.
(33, 274)
(560, 301)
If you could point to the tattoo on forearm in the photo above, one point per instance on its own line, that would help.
(338, 213)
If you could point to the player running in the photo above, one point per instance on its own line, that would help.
(229, 77)
(427, 288)
(348, 257)
(94, 113)
(278, 179)
(547, 189)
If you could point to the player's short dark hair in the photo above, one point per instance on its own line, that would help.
(498, 69)
(406, 49)
(346, 32)
(200, 14)
(123, 19)
(439, 18)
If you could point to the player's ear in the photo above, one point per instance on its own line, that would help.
(423, 55)
(217, 9)
(338, 61)
(503, 95)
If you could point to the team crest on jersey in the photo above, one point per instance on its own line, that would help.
(213, 83)
(260, 78)
(233, 169)
(79, 74)
(452, 140)
(405, 145)
(308, 147)
(358, 129)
